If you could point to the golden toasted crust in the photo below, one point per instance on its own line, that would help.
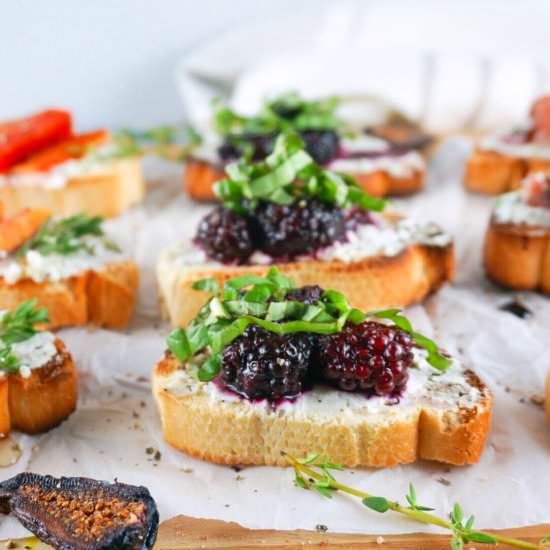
(106, 193)
(518, 256)
(104, 297)
(494, 173)
(46, 398)
(209, 429)
(5, 421)
(199, 177)
(374, 282)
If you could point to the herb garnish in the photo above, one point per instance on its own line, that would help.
(315, 472)
(287, 111)
(17, 326)
(66, 236)
(288, 174)
(253, 299)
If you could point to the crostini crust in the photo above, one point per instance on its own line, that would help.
(104, 297)
(371, 283)
(208, 429)
(518, 256)
(106, 193)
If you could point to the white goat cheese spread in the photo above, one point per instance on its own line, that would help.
(512, 208)
(519, 150)
(398, 166)
(426, 386)
(37, 267)
(34, 352)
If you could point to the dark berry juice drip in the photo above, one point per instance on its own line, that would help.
(515, 307)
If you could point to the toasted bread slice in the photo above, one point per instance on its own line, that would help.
(446, 420)
(518, 256)
(493, 173)
(199, 176)
(106, 192)
(104, 297)
(370, 283)
(47, 397)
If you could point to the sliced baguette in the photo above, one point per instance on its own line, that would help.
(104, 297)
(437, 424)
(494, 173)
(41, 401)
(518, 256)
(47, 397)
(199, 176)
(373, 282)
(107, 192)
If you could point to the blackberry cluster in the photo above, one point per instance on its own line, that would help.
(308, 294)
(233, 147)
(288, 230)
(369, 357)
(356, 216)
(225, 236)
(322, 145)
(260, 364)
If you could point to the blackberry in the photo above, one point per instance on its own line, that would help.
(225, 236)
(260, 364)
(368, 357)
(322, 145)
(288, 230)
(308, 294)
(234, 146)
(356, 216)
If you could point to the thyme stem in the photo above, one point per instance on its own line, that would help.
(417, 515)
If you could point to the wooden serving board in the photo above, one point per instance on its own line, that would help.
(186, 533)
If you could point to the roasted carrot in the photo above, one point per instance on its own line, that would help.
(74, 147)
(22, 137)
(16, 230)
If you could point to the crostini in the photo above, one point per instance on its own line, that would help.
(69, 265)
(43, 164)
(500, 162)
(316, 225)
(385, 159)
(266, 367)
(516, 249)
(37, 374)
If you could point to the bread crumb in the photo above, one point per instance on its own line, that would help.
(380, 540)
(186, 470)
(11, 544)
(537, 400)
(484, 478)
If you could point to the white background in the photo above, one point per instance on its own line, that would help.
(112, 62)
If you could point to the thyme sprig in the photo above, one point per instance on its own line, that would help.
(253, 299)
(315, 472)
(67, 236)
(288, 174)
(18, 325)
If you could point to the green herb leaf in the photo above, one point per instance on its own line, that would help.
(484, 538)
(378, 504)
(66, 236)
(210, 368)
(178, 344)
(208, 285)
(19, 324)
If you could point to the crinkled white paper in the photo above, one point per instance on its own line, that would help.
(116, 433)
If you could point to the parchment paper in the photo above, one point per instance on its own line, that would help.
(116, 431)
